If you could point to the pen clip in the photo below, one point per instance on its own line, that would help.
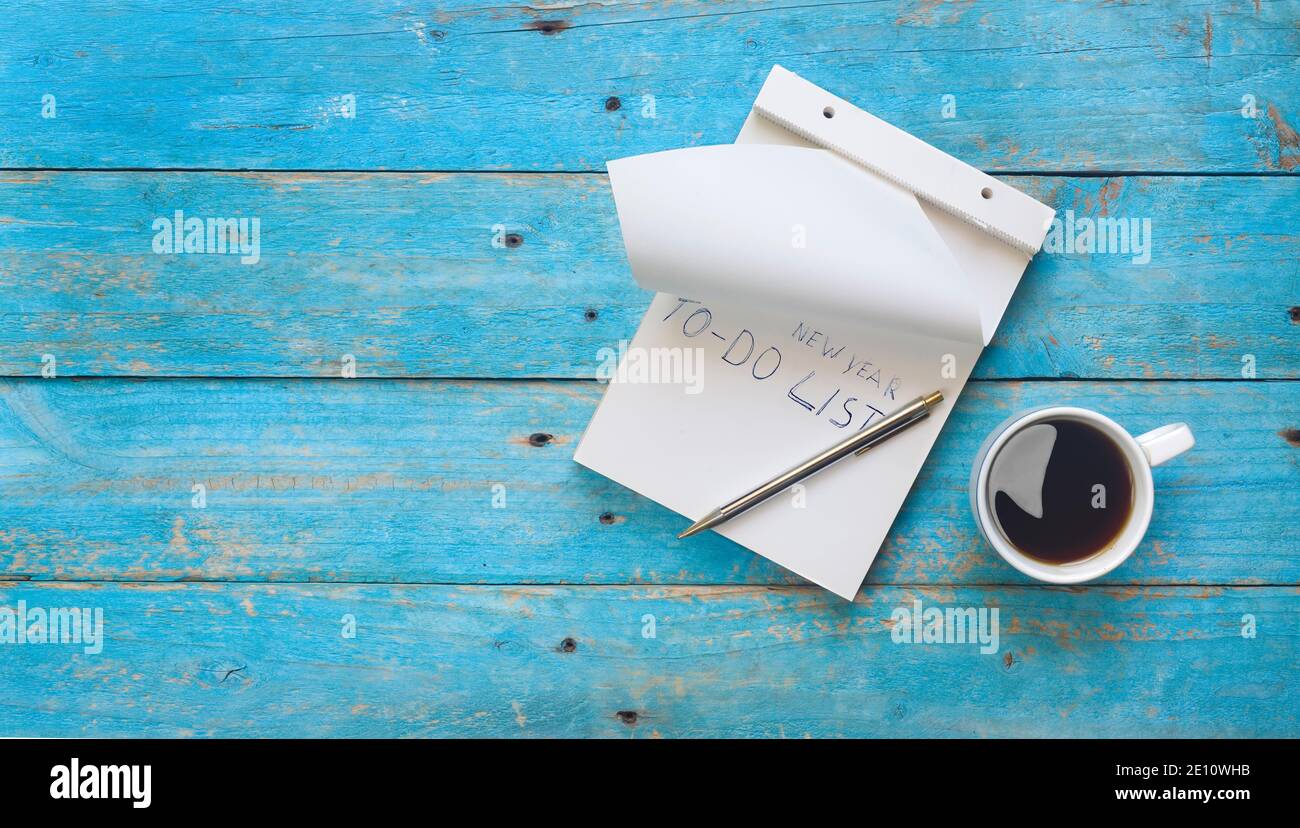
(920, 413)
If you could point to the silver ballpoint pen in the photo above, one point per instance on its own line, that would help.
(913, 412)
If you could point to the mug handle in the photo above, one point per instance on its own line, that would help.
(1166, 442)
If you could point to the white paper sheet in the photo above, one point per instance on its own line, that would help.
(814, 296)
(781, 226)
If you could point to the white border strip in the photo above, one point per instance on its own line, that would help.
(927, 172)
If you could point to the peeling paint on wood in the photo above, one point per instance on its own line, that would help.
(400, 272)
(395, 481)
(1038, 86)
(428, 660)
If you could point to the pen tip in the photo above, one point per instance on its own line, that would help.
(706, 522)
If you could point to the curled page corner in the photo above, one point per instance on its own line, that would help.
(790, 227)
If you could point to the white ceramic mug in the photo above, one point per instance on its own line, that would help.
(1141, 453)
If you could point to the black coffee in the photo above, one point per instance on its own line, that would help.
(1062, 490)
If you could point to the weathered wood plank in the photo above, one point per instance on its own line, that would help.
(400, 272)
(378, 480)
(1151, 86)
(272, 660)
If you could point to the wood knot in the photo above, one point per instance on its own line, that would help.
(568, 645)
(627, 717)
(548, 27)
(608, 518)
(1291, 435)
(613, 104)
(513, 240)
(1294, 313)
(540, 438)
(590, 314)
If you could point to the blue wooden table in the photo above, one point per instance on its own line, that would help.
(330, 492)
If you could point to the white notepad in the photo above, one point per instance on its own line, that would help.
(813, 277)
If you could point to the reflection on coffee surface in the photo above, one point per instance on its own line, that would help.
(1061, 490)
